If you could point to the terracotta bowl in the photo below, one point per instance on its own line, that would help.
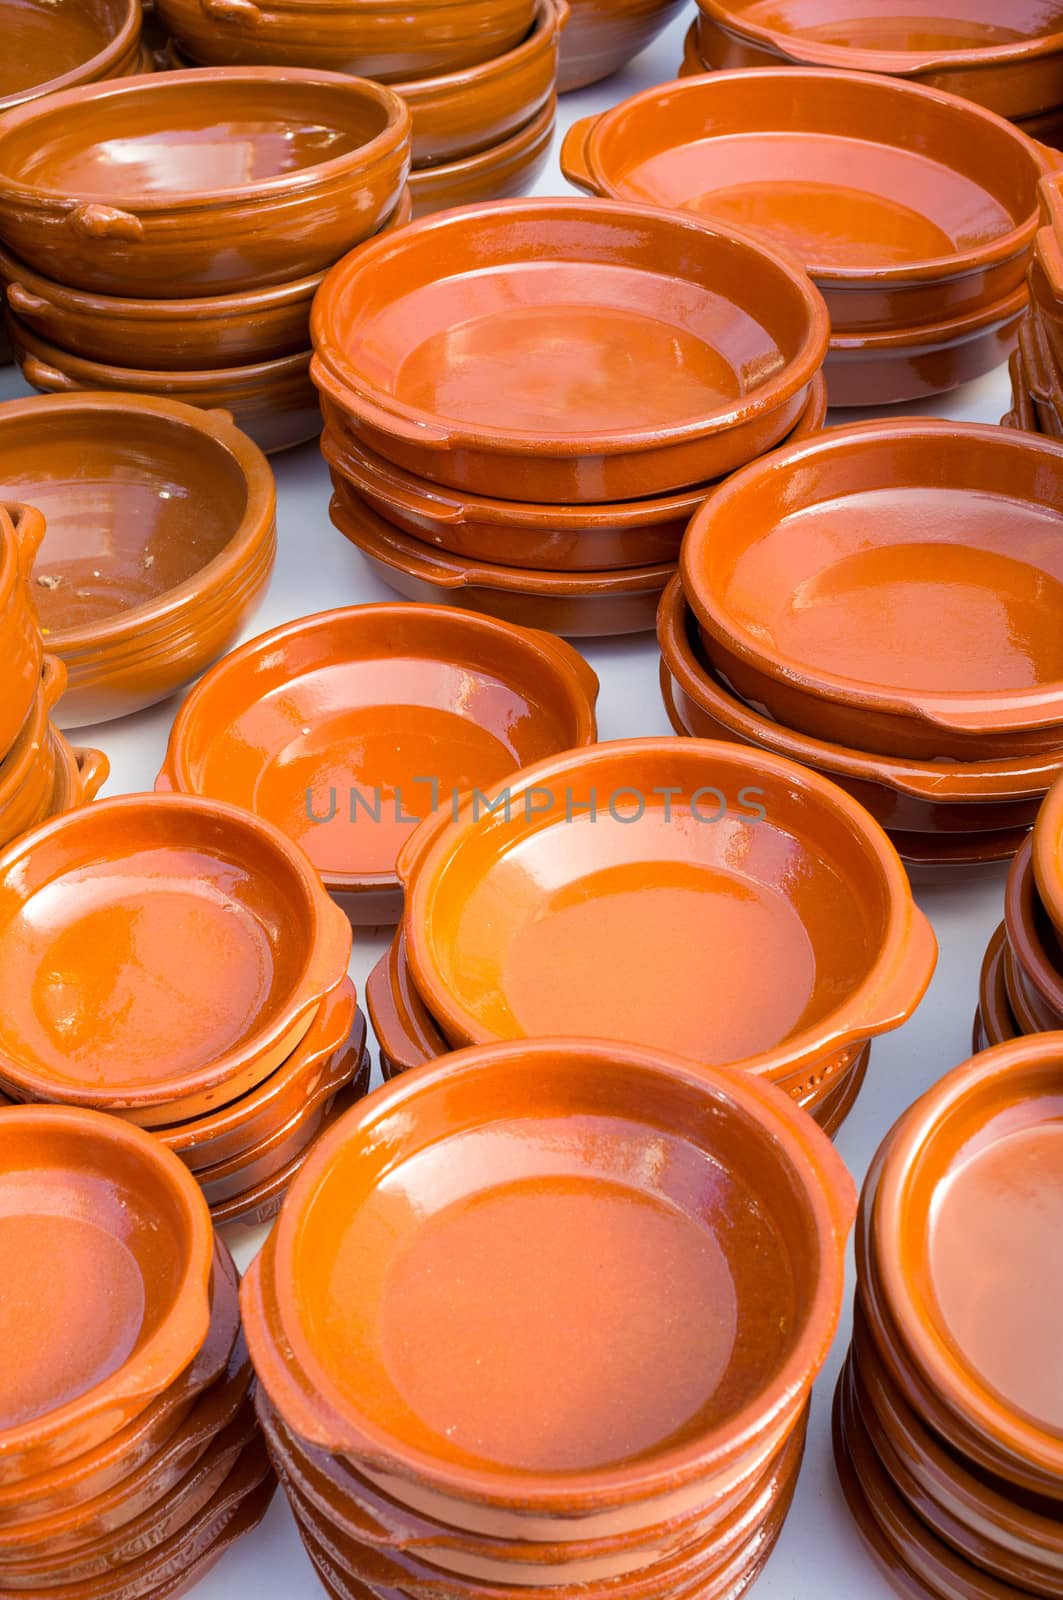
(1008, 61)
(21, 646)
(173, 335)
(1035, 969)
(27, 772)
(160, 542)
(581, 1465)
(113, 1225)
(963, 667)
(604, 35)
(1047, 855)
(953, 800)
(199, 944)
(497, 173)
(937, 199)
(46, 50)
(623, 908)
(576, 538)
(660, 406)
(578, 604)
(347, 728)
(122, 186)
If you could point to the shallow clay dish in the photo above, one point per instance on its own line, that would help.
(121, 187)
(197, 942)
(905, 205)
(27, 772)
(668, 384)
(625, 910)
(347, 728)
(114, 1225)
(48, 48)
(923, 553)
(604, 35)
(21, 647)
(1035, 978)
(1047, 855)
(160, 542)
(502, 170)
(579, 604)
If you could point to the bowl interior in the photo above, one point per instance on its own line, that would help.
(93, 1251)
(848, 174)
(173, 134)
(362, 721)
(464, 1223)
(140, 943)
(616, 891)
(43, 42)
(136, 505)
(918, 26)
(616, 324)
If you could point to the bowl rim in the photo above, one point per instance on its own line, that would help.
(124, 42)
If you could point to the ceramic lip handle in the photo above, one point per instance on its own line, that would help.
(418, 566)
(24, 301)
(427, 435)
(92, 220)
(232, 11)
(42, 375)
(574, 155)
(93, 771)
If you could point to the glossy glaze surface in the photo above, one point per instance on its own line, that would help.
(53, 46)
(21, 531)
(1048, 856)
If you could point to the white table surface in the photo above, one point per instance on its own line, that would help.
(820, 1555)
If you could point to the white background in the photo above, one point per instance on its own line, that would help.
(820, 1556)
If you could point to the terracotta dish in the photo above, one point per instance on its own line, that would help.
(122, 187)
(46, 50)
(346, 728)
(923, 553)
(643, 404)
(905, 205)
(508, 168)
(604, 35)
(160, 542)
(197, 941)
(28, 771)
(1047, 856)
(113, 1224)
(21, 646)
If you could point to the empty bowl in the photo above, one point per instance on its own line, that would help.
(47, 49)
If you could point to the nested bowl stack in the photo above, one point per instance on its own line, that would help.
(947, 1416)
(114, 192)
(130, 1455)
(177, 963)
(559, 500)
(520, 1460)
(920, 668)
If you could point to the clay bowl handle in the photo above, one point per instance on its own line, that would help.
(41, 375)
(574, 163)
(93, 771)
(94, 221)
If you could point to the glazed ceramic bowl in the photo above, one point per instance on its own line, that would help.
(198, 941)
(172, 335)
(345, 729)
(1034, 959)
(620, 865)
(604, 35)
(502, 170)
(27, 772)
(906, 206)
(160, 543)
(579, 604)
(112, 1225)
(47, 50)
(21, 645)
(120, 187)
(923, 552)
(953, 800)
(1047, 855)
(577, 538)
(662, 403)
(582, 1466)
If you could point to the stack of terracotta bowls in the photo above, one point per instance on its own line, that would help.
(1007, 57)
(948, 1418)
(525, 401)
(140, 222)
(458, 1408)
(1037, 364)
(914, 211)
(177, 963)
(130, 1458)
(636, 891)
(479, 76)
(872, 603)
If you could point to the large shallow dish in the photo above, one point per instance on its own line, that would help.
(504, 169)
(924, 555)
(905, 205)
(161, 954)
(102, 1224)
(161, 533)
(597, 897)
(347, 728)
(47, 49)
(121, 187)
(665, 382)
(604, 35)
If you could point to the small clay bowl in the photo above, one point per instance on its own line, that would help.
(581, 1463)
(905, 206)
(345, 729)
(120, 187)
(1047, 855)
(994, 1008)
(198, 943)
(576, 538)
(21, 648)
(950, 674)
(577, 604)
(113, 1225)
(47, 50)
(497, 173)
(1035, 978)
(905, 796)
(661, 405)
(603, 37)
(27, 772)
(173, 335)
